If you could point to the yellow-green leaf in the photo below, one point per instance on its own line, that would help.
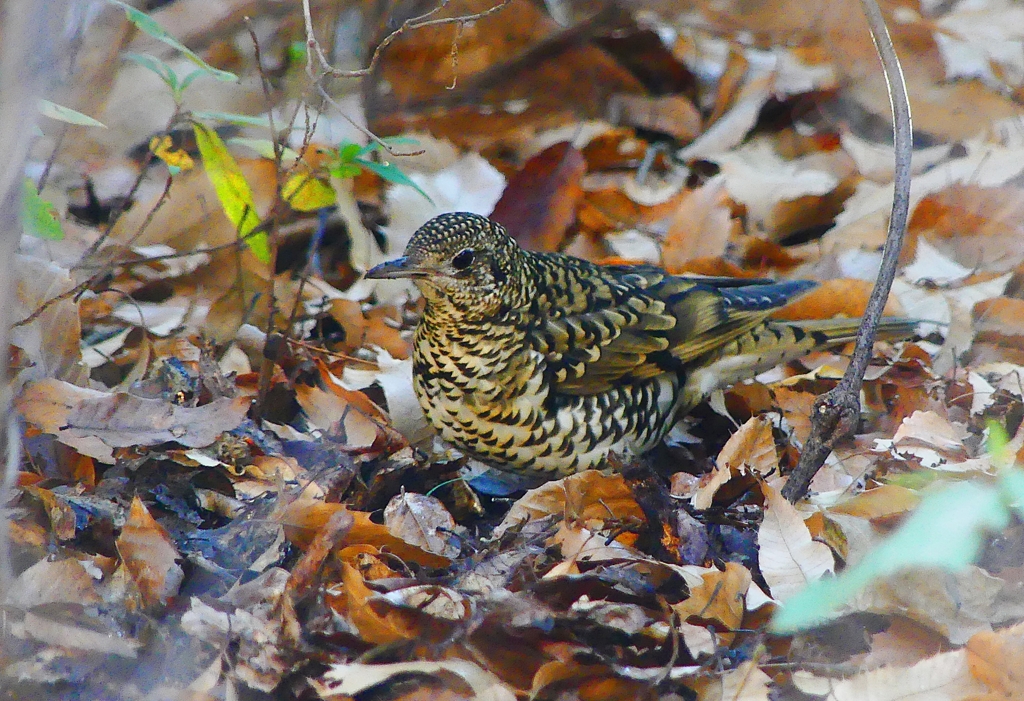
(38, 215)
(232, 190)
(308, 193)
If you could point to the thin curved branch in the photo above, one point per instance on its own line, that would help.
(836, 412)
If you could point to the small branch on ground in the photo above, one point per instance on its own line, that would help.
(836, 412)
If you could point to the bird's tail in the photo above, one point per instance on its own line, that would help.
(774, 342)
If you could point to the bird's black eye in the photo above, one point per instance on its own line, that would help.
(463, 259)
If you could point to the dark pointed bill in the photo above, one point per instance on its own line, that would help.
(397, 268)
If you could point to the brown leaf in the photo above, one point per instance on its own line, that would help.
(750, 449)
(539, 203)
(47, 581)
(700, 227)
(149, 556)
(303, 518)
(584, 496)
(997, 660)
(422, 521)
(844, 297)
(674, 115)
(720, 598)
(82, 418)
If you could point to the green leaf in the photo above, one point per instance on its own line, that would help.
(344, 170)
(232, 190)
(147, 24)
(240, 119)
(1011, 482)
(944, 532)
(154, 64)
(297, 52)
(66, 114)
(392, 174)
(348, 151)
(38, 215)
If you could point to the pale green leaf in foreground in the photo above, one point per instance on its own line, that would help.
(944, 532)
(68, 115)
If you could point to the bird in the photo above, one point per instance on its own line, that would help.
(544, 364)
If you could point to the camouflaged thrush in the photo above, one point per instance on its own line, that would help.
(543, 364)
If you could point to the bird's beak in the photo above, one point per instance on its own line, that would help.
(397, 268)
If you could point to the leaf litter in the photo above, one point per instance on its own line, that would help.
(226, 479)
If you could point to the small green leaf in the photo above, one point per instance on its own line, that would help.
(344, 170)
(154, 64)
(944, 532)
(66, 114)
(38, 215)
(392, 174)
(348, 151)
(147, 24)
(232, 190)
(297, 52)
(240, 119)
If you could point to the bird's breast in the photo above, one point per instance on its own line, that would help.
(487, 391)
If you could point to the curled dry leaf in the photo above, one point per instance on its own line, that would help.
(750, 449)
(674, 115)
(149, 555)
(700, 228)
(997, 661)
(332, 406)
(395, 378)
(788, 557)
(585, 496)
(422, 521)
(978, 227)
(59, 581)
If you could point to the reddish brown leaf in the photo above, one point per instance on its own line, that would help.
(539, 204)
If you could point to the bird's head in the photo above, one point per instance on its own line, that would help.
(464, 264)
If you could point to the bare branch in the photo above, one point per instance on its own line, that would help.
(836, 412)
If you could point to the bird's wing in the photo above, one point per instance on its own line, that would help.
(652, 324)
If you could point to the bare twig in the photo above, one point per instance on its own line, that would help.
(837, 411)
(424, 20)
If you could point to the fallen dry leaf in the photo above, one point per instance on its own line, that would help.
(149, 556)
(788, 557)
(422, 521)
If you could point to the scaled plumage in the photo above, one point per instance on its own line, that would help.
(545, 363)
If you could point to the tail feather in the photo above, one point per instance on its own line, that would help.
(773, 343)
